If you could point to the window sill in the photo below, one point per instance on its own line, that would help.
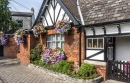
(95, 62)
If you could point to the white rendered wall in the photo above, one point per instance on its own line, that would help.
(60, 16)
(110, 29)
(123, 48)
(97, 57)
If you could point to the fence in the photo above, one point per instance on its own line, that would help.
(119, 70)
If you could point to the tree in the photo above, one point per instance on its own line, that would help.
(6, 22)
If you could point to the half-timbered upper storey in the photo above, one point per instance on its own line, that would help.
(53, 11)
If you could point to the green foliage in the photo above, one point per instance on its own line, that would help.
(6, 23)
(35, 53)
(63, 66)
(38, 62)
(86, 69)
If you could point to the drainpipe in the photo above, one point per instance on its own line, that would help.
(80, 14)
(80, 31)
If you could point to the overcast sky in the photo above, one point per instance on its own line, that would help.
(16, 5)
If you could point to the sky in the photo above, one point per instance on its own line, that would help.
(17, 5)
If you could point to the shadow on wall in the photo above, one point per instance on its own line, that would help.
(69, 37)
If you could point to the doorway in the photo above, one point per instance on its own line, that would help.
(1, 51)
(110, 48)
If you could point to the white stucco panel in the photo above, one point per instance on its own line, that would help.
(58, 14)
(99, 31)
(111, 29)
(123, 48)
(125, 28)
(97, 57)
(89, 31)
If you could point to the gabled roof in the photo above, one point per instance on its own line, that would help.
(100, 11)
(72, 7)
(97, 11)
(73, 18)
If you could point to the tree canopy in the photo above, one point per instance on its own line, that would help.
(6, 22)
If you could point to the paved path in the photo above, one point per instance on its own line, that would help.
(24, 74)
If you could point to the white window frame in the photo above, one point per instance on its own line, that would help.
(55, 41)
(92, 43)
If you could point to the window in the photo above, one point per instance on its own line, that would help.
(56, 40)
(20, 23)
(95, 43)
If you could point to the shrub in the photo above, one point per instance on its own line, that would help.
(38, 62)
(86, 69)
(35, 53)
(63, 66)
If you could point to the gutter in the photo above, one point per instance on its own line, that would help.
(80, 32)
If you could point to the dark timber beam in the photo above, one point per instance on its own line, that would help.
(50, 16)
(58, 14)
(63, 16)
(104, 29)
(119, 28)
(46, 20)
(93, 30)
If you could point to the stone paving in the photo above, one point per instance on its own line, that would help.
(24, 74)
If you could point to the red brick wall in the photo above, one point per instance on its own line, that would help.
(10, 50)
(101, 70)
(82, 46)
(25, 48)
(71, 44)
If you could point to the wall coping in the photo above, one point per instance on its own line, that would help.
(65, 77)
(95, 62)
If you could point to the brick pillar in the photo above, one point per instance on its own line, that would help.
(83, 47)
(25, 49)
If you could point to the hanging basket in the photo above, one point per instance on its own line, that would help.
(38, 29)
(62, 26)
(19, 36)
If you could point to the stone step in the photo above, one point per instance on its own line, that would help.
(9, 62)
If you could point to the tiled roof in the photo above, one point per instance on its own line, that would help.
(99, 11)
(72, 7)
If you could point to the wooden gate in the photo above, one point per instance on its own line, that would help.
(119, 70)
(1, 51)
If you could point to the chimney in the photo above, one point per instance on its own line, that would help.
(32, 10)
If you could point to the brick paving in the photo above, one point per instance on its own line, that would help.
(24, 74)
